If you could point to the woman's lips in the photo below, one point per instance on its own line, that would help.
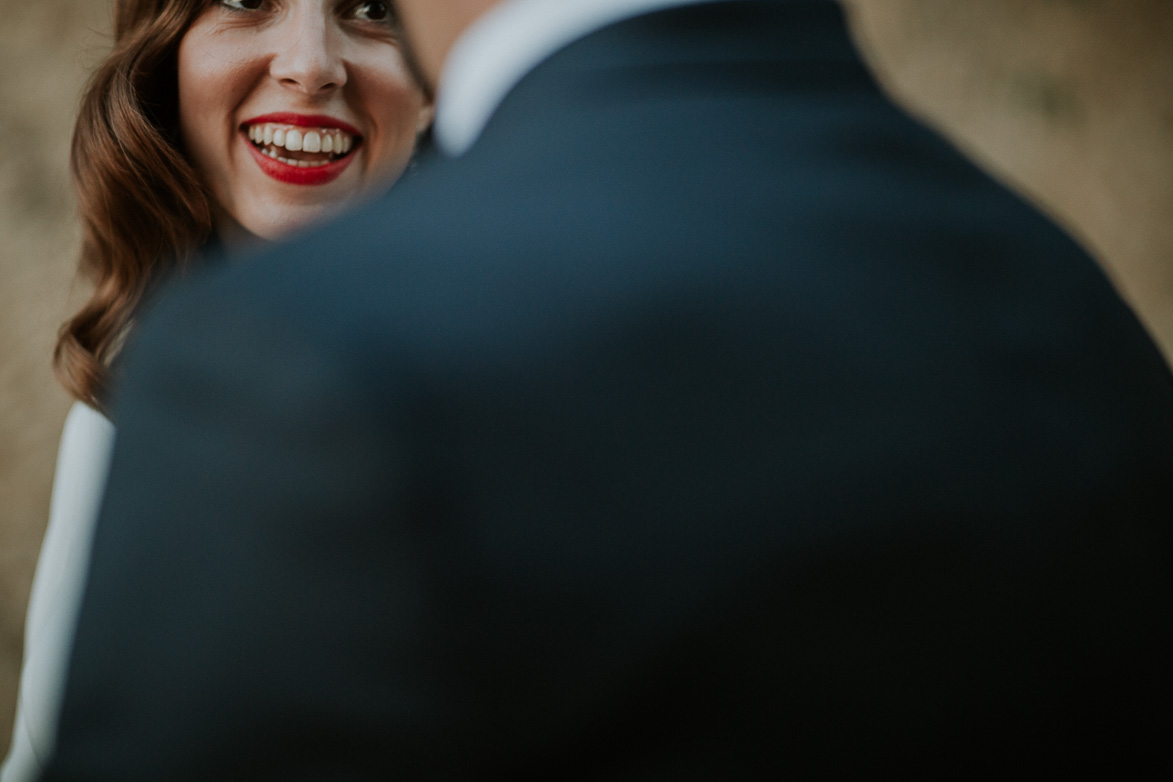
(313, 157)
(304, 121)
(291, 173)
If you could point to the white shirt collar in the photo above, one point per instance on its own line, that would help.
(505, 44)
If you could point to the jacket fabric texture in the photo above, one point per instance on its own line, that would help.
(710, 418)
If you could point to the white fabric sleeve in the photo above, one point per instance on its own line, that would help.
(83, 461)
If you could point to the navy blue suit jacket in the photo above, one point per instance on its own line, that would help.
(709, 418)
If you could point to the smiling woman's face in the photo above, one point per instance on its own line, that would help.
(291, 108)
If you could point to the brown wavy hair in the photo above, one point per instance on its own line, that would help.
(143, 208)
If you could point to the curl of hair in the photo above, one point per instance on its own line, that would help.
(143, 208)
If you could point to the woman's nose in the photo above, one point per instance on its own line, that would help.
(308, 56)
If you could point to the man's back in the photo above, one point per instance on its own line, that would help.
(707, 416)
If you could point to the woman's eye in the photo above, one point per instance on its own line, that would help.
(373, 12)
(243, 5)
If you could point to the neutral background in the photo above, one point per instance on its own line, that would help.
(1069, 100)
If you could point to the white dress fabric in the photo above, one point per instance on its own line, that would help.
(83, 461)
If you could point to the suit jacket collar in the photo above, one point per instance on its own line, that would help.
(506, 44)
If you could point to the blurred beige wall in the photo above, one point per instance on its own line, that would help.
(1069, 100)
(46, 51)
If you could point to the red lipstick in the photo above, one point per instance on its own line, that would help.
(298, 175)
(305, 121)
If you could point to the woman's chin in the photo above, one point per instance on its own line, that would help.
(277, 223)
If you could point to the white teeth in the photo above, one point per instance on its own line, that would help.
(298, 163)
(303, 163)
(278, 138)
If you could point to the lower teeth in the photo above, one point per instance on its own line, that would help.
(299, 163)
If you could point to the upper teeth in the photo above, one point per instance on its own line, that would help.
(296, 139)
